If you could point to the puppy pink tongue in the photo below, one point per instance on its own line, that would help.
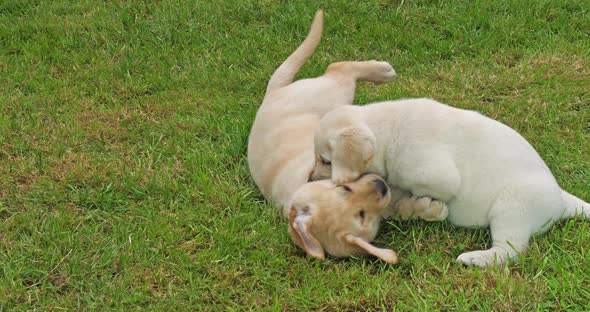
(386, 255)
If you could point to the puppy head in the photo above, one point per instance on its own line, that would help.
(343, 150)
(339, 220)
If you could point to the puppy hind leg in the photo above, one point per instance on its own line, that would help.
(374, 71)
(514, 219)
(506, 246)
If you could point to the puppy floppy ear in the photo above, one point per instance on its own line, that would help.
(352, 149)
(300, 232)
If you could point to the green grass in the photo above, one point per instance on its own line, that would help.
(123, 129)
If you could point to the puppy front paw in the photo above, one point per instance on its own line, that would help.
(424, 208)
(437, 211)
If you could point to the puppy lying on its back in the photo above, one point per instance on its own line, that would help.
(484, 171)
(323, 216)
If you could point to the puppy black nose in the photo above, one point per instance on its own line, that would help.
(381, 187)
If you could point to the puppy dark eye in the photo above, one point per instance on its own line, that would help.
(325, 162)
(362, 214)
(346, 188)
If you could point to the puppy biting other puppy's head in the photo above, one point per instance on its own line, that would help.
(343, 150)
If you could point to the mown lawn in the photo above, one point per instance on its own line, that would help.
(123, 129)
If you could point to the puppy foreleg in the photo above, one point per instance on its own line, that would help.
(432, 175)
(521, 210)
(510, 237)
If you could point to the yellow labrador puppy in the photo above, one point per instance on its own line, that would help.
(485, 172)
(323, 217)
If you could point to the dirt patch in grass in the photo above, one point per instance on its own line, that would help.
(557, 66)
(79, 166)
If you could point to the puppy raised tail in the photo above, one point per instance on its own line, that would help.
(575, 206)
(285, 74)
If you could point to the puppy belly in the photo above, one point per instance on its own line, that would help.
(468, 213)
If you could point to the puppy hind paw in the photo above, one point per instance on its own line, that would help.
(381, 72)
